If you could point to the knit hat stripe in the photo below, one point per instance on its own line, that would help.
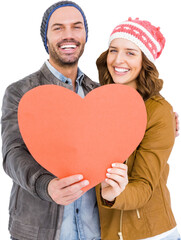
(135, 40)
(145, 31)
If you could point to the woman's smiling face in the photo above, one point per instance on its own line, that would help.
(124, 61)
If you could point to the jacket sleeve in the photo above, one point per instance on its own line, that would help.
(17, 161)
(150, 159)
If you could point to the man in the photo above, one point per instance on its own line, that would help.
(38, 198)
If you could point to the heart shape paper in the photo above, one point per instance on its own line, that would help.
(69, 135)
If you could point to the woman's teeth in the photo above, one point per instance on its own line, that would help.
(121, 70)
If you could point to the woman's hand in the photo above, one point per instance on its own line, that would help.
(116, 181)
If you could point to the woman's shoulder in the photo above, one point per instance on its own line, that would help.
(160, 121)
(157, 103)
(158, 107)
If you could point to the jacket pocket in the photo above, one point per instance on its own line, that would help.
(14, 198)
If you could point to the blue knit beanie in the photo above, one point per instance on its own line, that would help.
(49, 12)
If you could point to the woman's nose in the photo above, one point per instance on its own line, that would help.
(120, 58)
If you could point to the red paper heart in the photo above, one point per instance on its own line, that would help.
(69, 135)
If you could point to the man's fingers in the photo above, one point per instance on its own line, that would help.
(64, 182)
(74, 188)
(69, 199)
(62, 191)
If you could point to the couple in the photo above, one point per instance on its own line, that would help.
(43, 207)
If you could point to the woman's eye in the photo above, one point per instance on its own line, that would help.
(112, 50)
(130, 53)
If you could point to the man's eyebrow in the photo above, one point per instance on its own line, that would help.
(56, 25)
(76, 23)
(60, 24)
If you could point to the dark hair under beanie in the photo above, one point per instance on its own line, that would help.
(49, 12)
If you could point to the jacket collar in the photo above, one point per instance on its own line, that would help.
(87, 83)
(61, 77)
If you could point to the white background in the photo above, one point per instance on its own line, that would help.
(22, 53)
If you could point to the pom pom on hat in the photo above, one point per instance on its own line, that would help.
(146, 36)
(50, 11)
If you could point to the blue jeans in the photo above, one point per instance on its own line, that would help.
(173, 236)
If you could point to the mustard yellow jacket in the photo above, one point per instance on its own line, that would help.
(143, 209)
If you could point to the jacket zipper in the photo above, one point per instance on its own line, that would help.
(138, 213)
(120, 234)
(121, 221)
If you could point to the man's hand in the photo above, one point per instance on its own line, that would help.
(177, 123)
(116, 181)
(66, 190)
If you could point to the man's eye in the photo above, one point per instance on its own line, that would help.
(77, 27)
(57, 28)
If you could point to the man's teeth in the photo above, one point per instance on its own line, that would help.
(68, 46)
(121, 70)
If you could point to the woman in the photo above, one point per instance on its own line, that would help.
(143, 209)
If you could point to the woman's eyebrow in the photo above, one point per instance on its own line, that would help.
(112, 47)
(132, 49)
(128, 49)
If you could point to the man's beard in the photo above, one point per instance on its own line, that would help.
(65, 59)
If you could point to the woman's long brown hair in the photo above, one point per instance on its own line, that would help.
(148, 82)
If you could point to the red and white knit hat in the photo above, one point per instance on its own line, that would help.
(146, 36)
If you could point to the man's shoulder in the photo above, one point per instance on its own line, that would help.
(40, 77)
(26, 83)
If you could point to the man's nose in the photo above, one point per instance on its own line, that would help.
(68, 33)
